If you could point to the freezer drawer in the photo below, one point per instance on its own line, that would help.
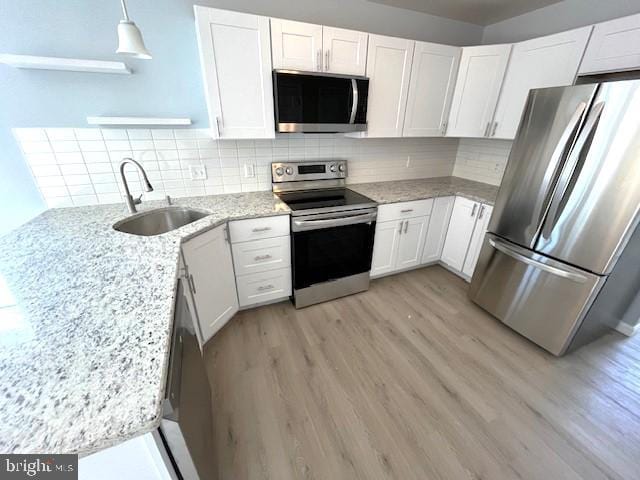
(542, 299)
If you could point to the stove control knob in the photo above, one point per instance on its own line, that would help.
(333, 167)
(341, 167)
(279, 171)
(289, 171)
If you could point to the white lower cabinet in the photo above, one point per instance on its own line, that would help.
(475, 245)
(262, 259)
(469, 221)
(385, 247)
(209, 271)
(437, 231)
(411, 242)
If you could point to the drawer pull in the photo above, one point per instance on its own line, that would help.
(263, 288)
(261, 229)
(406, 210)
(262, 257)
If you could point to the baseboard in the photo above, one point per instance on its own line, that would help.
(626, 329)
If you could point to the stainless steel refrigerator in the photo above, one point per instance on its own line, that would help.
(560, 263)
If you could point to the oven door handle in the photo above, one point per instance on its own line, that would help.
(304, 225)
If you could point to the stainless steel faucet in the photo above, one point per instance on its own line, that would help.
(132, 202)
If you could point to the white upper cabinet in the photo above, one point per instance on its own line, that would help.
(388, 69)
(477, 89)
(296, 45)
(235, 56)
(433, 76)
(614, 46)
(550, 61)
(345, 51)
(314, 48)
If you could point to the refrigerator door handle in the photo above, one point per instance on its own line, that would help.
(511, 252)
(569, 169)
(555, 162)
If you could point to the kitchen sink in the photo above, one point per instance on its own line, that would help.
(159, 220)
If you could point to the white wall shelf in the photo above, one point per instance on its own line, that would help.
(68, 64)
(138, 121)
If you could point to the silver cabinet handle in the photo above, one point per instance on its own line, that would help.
(443, 128)
(481, 213)
(327, 57)
(218, 127)
(319, 59)
(406, 226)
(486, 130)
(262, 288)
(511, 252)
(406, 210)
(192, 283)
(400, 227)
(473, 210)
(493, 130)
(261, 229)
(262, 257)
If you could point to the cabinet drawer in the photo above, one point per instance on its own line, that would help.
(259, 228)
(262, 255)
(264, 286)
(396, 211)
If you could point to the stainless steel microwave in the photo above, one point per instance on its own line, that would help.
(319, 102)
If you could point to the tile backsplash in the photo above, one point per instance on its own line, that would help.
(81, 166)
(482, 160)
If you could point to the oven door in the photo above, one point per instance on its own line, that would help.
(328, 247)
(308, 102)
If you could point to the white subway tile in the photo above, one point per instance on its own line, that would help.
(164, 144)
(208, 153)
(162, 134)
(80, 189)
(73, 169)
(63, 158)
(142, 144)
(65, 146)
(171, 174)
(77, 179)
(168, 165)
(114, 134)
(95, 157)
(88, 134)
(167, 154)
(92, 146)
(139, 134)
(117, 145)
(35, 147)
(48, 192)
(232, 188)
(57, 181)
(102, 178)
(59, 134)
(109, 198)
(145, 155)
(99, 167)
(45, 170)
(59, 202)
(185, 134)
(186, 144)
(208, 143)
(116, 156)
(214, 189)
(82, 200)
(188, 154)
(106, 188)
(30, 134)
(41, 159)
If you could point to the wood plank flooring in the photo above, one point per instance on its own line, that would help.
(410, 380)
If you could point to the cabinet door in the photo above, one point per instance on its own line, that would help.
(411, 242)
(477, 88)
(235, 56)
(385, 247)
(550, 61)
(345, 51)
(210, 267)
(463, 219)
(296, 45)
(614, 46)
(484, 214)
(388, 69)
(433, 76)
(437, 231)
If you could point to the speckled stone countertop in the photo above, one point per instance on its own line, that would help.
(86, 316)
(407, 190)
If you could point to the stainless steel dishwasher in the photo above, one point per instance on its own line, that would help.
(187, 425)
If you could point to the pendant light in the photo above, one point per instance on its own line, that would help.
(130, 41)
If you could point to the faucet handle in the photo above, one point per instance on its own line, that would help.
(138, 200)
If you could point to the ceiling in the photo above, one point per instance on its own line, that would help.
(480, 12)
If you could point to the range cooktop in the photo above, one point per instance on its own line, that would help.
(304, 202)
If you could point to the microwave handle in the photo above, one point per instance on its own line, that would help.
(354, 106)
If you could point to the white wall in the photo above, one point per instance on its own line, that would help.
(482, 160)
(81, 166)
(558, 17)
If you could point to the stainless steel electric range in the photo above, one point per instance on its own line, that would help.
(332, 230)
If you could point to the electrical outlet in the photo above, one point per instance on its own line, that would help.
(249, 170)
(198, 172)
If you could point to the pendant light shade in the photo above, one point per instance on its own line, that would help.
(130, 39)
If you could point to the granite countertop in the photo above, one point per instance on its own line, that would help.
(86, 315)
(407, 190)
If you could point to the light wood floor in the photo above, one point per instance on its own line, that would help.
(411, 381)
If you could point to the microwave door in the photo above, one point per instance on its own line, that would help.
(597, 201)
(548, 128)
